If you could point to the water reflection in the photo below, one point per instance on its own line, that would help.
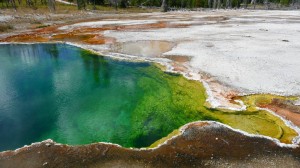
(28, 55)
(99, 66)
(83, 98)
(57, 91)
(23, 96)
(52, 50)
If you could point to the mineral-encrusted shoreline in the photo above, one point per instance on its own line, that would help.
(209, 144)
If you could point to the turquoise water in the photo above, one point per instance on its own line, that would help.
(64, 93)
(60, 92)
(72, 96)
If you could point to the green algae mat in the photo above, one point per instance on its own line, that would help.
(64, 93)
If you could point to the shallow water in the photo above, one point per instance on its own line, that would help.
(149, 48)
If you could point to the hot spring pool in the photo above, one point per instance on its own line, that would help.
(70, 95)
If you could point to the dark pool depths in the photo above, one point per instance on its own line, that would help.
(74, 97)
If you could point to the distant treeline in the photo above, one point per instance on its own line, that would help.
(165, 4)
(28, 3)
(214, 3)
(192, 3)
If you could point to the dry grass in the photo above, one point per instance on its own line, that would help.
(5, 27)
